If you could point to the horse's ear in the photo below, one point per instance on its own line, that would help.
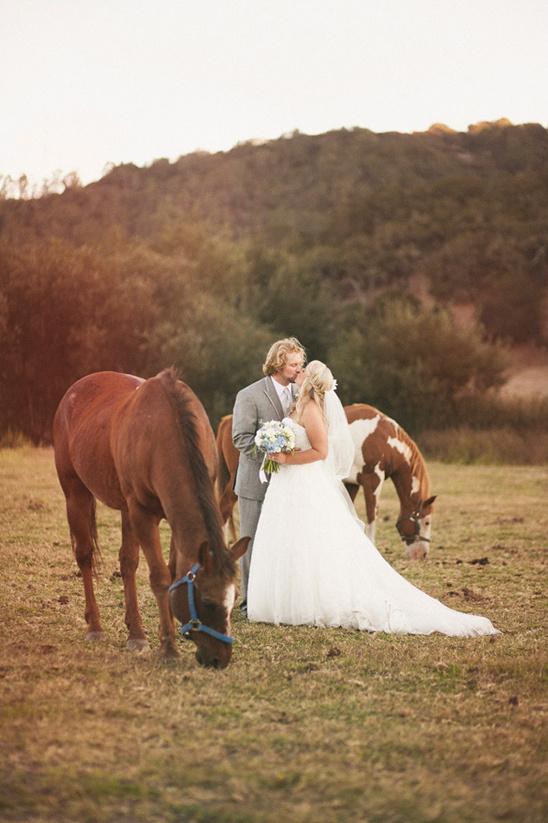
(429, 501)
(239, 549)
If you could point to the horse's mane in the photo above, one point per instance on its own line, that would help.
(417, 464)
(181, 397)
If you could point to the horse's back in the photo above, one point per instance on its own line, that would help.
(360, 411)
(82, 431)
(225, 427)
(117, 431)
(95, 394)
(382, 442)
(370, 415)
(370, 429)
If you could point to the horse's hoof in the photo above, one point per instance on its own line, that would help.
(171, 660)
(137, 645)
(169, 655)
(92, 636)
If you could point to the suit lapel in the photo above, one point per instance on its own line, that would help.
(272, 396)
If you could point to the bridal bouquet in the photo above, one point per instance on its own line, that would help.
(272, 437)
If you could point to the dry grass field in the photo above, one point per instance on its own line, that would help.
(305, 724)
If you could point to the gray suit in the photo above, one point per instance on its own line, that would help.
(255, 405)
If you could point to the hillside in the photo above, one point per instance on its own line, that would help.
(366, 211)
(398, 258)
(267, 185)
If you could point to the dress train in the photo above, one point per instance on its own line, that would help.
(313, 565)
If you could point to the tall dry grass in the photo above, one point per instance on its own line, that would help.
(492, 447)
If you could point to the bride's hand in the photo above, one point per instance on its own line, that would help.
(281, 457)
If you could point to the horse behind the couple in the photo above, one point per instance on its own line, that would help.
(382, 449)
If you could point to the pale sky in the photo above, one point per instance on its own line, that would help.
(85, 83)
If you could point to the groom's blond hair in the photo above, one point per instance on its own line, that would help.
(277, 354)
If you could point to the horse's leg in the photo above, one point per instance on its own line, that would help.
(81, 520)
(352, 490)
(145, 527)
(129, 562)
(227, 501)
(172, 565)
(371, 483)
(232, 528)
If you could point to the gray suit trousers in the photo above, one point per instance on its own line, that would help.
(250, 511)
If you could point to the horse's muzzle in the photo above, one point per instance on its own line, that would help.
(212, 662)
(418, 550)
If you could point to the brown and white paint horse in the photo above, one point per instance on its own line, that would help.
(146, 448)
(383, 449)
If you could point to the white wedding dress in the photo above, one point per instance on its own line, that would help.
(313, 565)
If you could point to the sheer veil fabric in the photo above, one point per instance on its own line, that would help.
(340, 454)
(313, 564)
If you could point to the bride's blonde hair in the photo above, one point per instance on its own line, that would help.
(318, 379)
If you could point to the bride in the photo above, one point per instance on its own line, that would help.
(312, 564)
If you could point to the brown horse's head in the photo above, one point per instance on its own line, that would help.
(415, 529)
(203, 600)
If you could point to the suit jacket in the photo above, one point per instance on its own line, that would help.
(254, 405)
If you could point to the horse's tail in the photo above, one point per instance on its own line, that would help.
(227, 463)
(223, 473)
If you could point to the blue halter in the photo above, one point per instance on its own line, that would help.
(194, 624)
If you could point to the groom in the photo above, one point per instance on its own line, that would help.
(268, 399)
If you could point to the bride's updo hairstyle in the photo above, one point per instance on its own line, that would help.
(318, 379)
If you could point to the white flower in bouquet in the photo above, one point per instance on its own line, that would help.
(274, 436)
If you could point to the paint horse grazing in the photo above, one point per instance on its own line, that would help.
(228, 456)
(147, 449)
(383, 449)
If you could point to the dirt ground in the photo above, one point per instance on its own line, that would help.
(528, 374)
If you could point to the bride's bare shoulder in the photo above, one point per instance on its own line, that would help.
(311, 412)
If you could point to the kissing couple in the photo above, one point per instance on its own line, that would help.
(310, 562)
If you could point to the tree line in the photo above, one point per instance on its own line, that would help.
(202, 263)
(212, 313)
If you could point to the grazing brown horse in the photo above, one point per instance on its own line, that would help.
(383, 449)
(147, 449)
(228, 456)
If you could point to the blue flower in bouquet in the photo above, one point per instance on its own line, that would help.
(274, 436)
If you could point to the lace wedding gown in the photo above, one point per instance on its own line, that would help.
(313, 565)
